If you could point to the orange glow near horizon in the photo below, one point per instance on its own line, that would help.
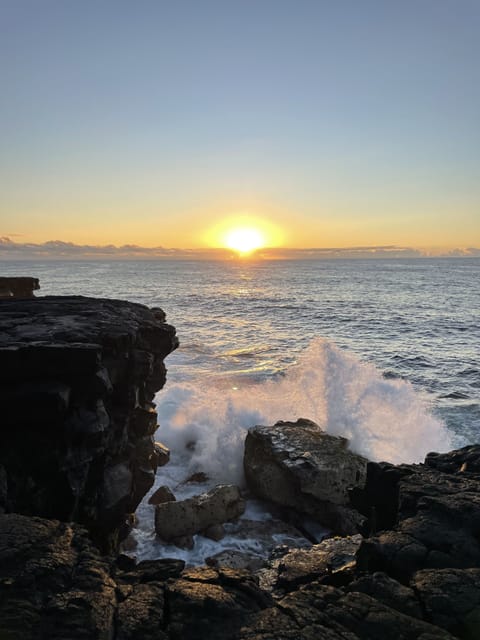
(244, 234)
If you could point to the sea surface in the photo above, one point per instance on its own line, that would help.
(384, 352)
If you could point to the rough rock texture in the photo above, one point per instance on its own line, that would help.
(187, 517)
(77, 379)
(433, 516)
(18, 287)
(296, 464)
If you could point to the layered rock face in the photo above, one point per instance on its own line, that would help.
(297, 465)
(78, 376)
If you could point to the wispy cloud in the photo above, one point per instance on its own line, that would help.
(59, 250)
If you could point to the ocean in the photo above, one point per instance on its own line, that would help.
(384, 352)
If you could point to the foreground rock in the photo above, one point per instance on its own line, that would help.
(431, 519)
(297, 465)
(55, 584)
(174, 519)
(78, 376)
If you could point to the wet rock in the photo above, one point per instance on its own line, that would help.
(73, 389)
(214, 532)
(162, 494)
(198, 478)
(187, 517)
(162, 454)
(296, 464)
(233, 559)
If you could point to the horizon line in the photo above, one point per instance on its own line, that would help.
(59, 249)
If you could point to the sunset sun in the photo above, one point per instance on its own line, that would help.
(244, 234)
(244, 240)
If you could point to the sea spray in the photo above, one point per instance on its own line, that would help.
(204, 421)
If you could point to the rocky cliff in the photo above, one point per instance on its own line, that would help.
(78, 376)
(77, 380)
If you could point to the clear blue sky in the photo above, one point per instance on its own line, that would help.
(343, 122)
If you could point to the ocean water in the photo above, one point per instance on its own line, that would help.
(384, 352)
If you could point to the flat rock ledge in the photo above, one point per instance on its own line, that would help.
(78, 376)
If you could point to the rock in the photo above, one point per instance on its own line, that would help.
(162, 454)
(388, 591)
(436, 524)
(214, 532)
(450, 599)
(199, 478)
(18, 287)
(77, 380)
(327, 560)
(187, 517)
(162, 494)
(53, 582)
(232, 559)
(296, 464)
(465, 460)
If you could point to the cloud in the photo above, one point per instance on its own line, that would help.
(59, 250)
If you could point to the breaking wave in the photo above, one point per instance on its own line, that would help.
(384, 419)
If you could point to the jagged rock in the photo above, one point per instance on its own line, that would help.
(53, 582)
(327, 560)
(388, 591)
(187, 517)
(436, 523)
(233, 559)
(162, 454)
(77, 379)
(464, 460)
(199, 477)
(450, 599)
(18, 287)
(296, 464)
(162, 494)
(319, 611)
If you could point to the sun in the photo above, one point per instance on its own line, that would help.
(244, 239)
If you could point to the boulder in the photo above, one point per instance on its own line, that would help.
(187, 517)
(296, 464)
(162, 494)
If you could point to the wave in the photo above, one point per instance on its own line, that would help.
(384, 419)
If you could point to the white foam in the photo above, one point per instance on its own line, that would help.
(384, 419)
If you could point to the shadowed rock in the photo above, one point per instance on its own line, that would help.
(78, 376)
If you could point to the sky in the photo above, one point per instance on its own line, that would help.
(332, 124)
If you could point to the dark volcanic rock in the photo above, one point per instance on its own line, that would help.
(18, 287)
(296, 464)
(54, 585)
(77, 379)
(437, 522)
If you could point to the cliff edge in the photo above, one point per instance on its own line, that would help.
(78, 376)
